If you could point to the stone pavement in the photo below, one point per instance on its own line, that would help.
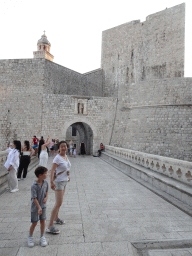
(104, 211)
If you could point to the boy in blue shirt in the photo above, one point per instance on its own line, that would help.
(39, 195)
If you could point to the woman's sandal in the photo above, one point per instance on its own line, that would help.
(60, 222)
(52, 230)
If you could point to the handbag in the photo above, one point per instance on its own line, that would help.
(55, 175)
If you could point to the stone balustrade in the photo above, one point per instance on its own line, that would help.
(3, 170)
(177, 169)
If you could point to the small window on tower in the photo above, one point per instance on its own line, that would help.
(74, 131)
(40, 47)
(44, 47)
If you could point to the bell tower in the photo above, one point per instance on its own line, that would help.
(43, 49)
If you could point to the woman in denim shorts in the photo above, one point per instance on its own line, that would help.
(58, 180)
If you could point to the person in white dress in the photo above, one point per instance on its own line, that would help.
(43, 152)
(12, 165)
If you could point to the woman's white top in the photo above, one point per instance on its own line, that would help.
(62, 166)
(26, 153)
(44, 151)
(43, 158)
(12, 159)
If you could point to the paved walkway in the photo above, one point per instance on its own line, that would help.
(104, 210)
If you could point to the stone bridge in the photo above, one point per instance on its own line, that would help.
(124, 203)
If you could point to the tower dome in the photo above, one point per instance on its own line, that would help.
(43, 49)
(43, 40)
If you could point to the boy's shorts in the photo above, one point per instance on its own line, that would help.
(35, 146)
(35, 217)
(60, 185)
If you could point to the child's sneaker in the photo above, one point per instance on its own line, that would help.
(43, 241)
(30, 241)
(14, 190)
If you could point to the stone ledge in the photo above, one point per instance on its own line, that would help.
(173, 191)
(147, 247)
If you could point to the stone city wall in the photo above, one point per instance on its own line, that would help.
(139, 51)
(22, 85)
(155, 117)
(173, 91)
(94, 81)
(61, 80)
(21, 88)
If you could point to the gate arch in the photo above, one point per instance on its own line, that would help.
(84, 124)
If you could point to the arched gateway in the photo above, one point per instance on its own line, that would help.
(81, 130)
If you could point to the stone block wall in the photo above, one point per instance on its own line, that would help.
(94, 82)
(59, 114)
(23, 83)
(21, 87)
(155, 117)
(61, 80)
(139, 51)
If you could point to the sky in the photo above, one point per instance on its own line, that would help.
(74, 28)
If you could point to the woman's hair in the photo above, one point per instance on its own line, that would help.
(61, 142)
(17, 144)
(41, 142)
(27, 144)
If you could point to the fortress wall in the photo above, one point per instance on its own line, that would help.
(59, 114)
(21, 87)
(155, 117)
(61, 80)
(139, 51)
(94, 82)
(157, 91)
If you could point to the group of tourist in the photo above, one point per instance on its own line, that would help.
(19, 158)
(59, 176)
(54, 146)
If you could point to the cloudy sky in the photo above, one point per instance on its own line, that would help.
(74, 28)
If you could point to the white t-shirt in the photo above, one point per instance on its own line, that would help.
(62, 165)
